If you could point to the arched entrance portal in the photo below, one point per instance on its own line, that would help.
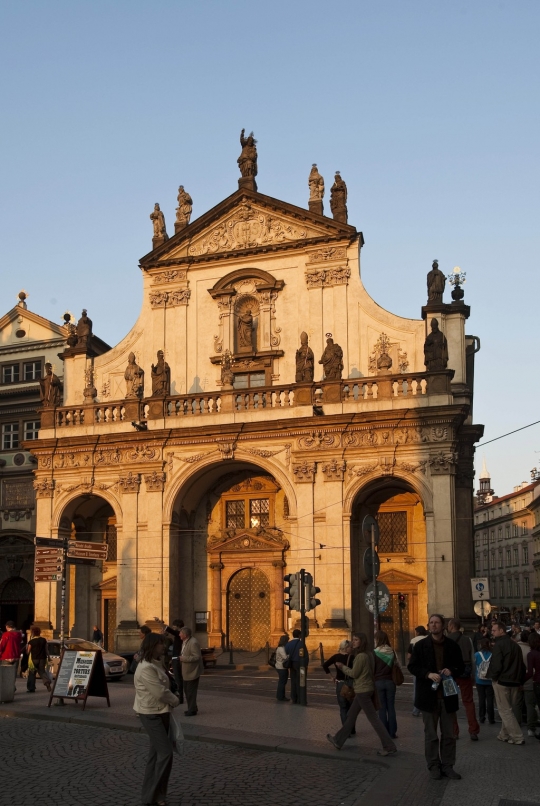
(227, 555)
(91, 588)
(399, 512)
(17, 602)
(248, 610)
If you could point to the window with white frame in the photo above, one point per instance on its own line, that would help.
(10, 436)
(31, 429)
(525, 554)
(32, 370)
(523, 527)
(10, 373)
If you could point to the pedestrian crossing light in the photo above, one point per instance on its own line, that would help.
(401, 599)
(292, 591)
(310, 593)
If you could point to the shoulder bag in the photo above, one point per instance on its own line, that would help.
(397, 674)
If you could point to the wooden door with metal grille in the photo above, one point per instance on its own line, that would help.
(109, 624)
(249, 610)
(398, 631)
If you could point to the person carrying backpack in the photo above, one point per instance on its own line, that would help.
(484, 687)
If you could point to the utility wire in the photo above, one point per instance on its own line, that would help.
(481, 444)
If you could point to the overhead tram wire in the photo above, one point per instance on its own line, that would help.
(523, 427)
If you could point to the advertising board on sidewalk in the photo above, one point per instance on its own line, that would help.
(80, 674)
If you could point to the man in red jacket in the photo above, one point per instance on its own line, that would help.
(10, 644)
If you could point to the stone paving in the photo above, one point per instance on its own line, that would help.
(69, 765)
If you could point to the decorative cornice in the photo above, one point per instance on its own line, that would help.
(304, 472)
(44, 488)
(154, 481)
(130, 483)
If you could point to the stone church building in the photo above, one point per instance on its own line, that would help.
(260, 407)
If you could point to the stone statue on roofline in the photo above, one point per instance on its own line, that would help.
(50, 389)
(247, 161)
(184, 209)
(305, 361)
(332, 360)
(316, 190)
(338, 199)
(134, 378)
(158, 220)
(436, 282)
(161, 377)
(436, 349)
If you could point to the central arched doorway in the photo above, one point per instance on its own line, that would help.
(17, 602)
(248, 610)
(227, 555)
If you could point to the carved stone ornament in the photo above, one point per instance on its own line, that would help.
(110, 456)
(442, 464)
(226, 449)
(318, 440)
(334, 470)
(356, 439)
(44, 488)
(169, 276)
(142, 453)
(247, 227)
(380, 358)
(130, 483)
(325, 278)
(154, 481)
(169, 299)
(328, 253)
(304, 472)
(197, 457)
(266, 454)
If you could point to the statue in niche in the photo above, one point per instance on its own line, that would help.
(84, 330)
(247, 161)
(305, 361)
(50, 390)
(161, 377)
(435, 349)
(245, 330)
(436, 282)
(134, 377)
(316, 191)
(158, 220)
(338, 199)
(183, 211)
(332, 360)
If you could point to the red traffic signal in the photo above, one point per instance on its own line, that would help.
(402, 599)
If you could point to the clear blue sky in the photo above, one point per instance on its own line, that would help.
(429, 109)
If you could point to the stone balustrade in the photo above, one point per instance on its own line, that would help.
(227, 401)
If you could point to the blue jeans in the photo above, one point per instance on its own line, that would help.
(283, 676)
(386, 689)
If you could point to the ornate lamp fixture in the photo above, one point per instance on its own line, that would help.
(457, 279)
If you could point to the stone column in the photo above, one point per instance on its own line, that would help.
(45, 592)
(216, 625)
(440, 534)
(153, 553)
(127, 632)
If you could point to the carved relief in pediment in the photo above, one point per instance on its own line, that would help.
(248, 540)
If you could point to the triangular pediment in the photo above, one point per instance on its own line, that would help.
(395, 577)
(33, 326)
(245, 222)
(248, 540)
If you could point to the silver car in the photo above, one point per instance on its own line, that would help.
(115, 666)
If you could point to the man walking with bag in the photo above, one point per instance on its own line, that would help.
(292, 648)
(434, 660)
(465, 682)
(507, 672)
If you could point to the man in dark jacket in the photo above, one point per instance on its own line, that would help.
(437, 655)
(507, 672)
(177, 651)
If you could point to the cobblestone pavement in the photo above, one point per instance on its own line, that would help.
(69, 765)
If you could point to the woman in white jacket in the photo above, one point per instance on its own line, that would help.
(154, 702)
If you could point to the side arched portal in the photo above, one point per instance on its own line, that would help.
(399, 512)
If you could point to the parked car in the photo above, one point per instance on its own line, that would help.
(115, 666)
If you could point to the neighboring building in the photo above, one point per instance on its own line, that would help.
(504, 544)
(535, 507)
(227, 461)
(27, 342)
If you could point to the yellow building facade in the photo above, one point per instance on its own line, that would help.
(214, 469)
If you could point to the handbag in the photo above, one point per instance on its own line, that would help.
(347, 692)
(397, 674)
(272, 660)
(176, 734)
(287, 662)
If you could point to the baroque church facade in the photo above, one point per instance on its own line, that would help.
(260, 407)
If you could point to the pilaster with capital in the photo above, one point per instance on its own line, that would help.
(216, 626)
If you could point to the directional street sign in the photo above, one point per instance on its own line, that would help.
(53, 542)
(368, 564)
(480, 588)
(90, 551)
(383, 596)
(39, 577)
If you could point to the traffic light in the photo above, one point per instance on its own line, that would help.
(310, 592)
(402, 600)
(292, 591)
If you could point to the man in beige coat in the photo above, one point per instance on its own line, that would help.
(192, 667)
